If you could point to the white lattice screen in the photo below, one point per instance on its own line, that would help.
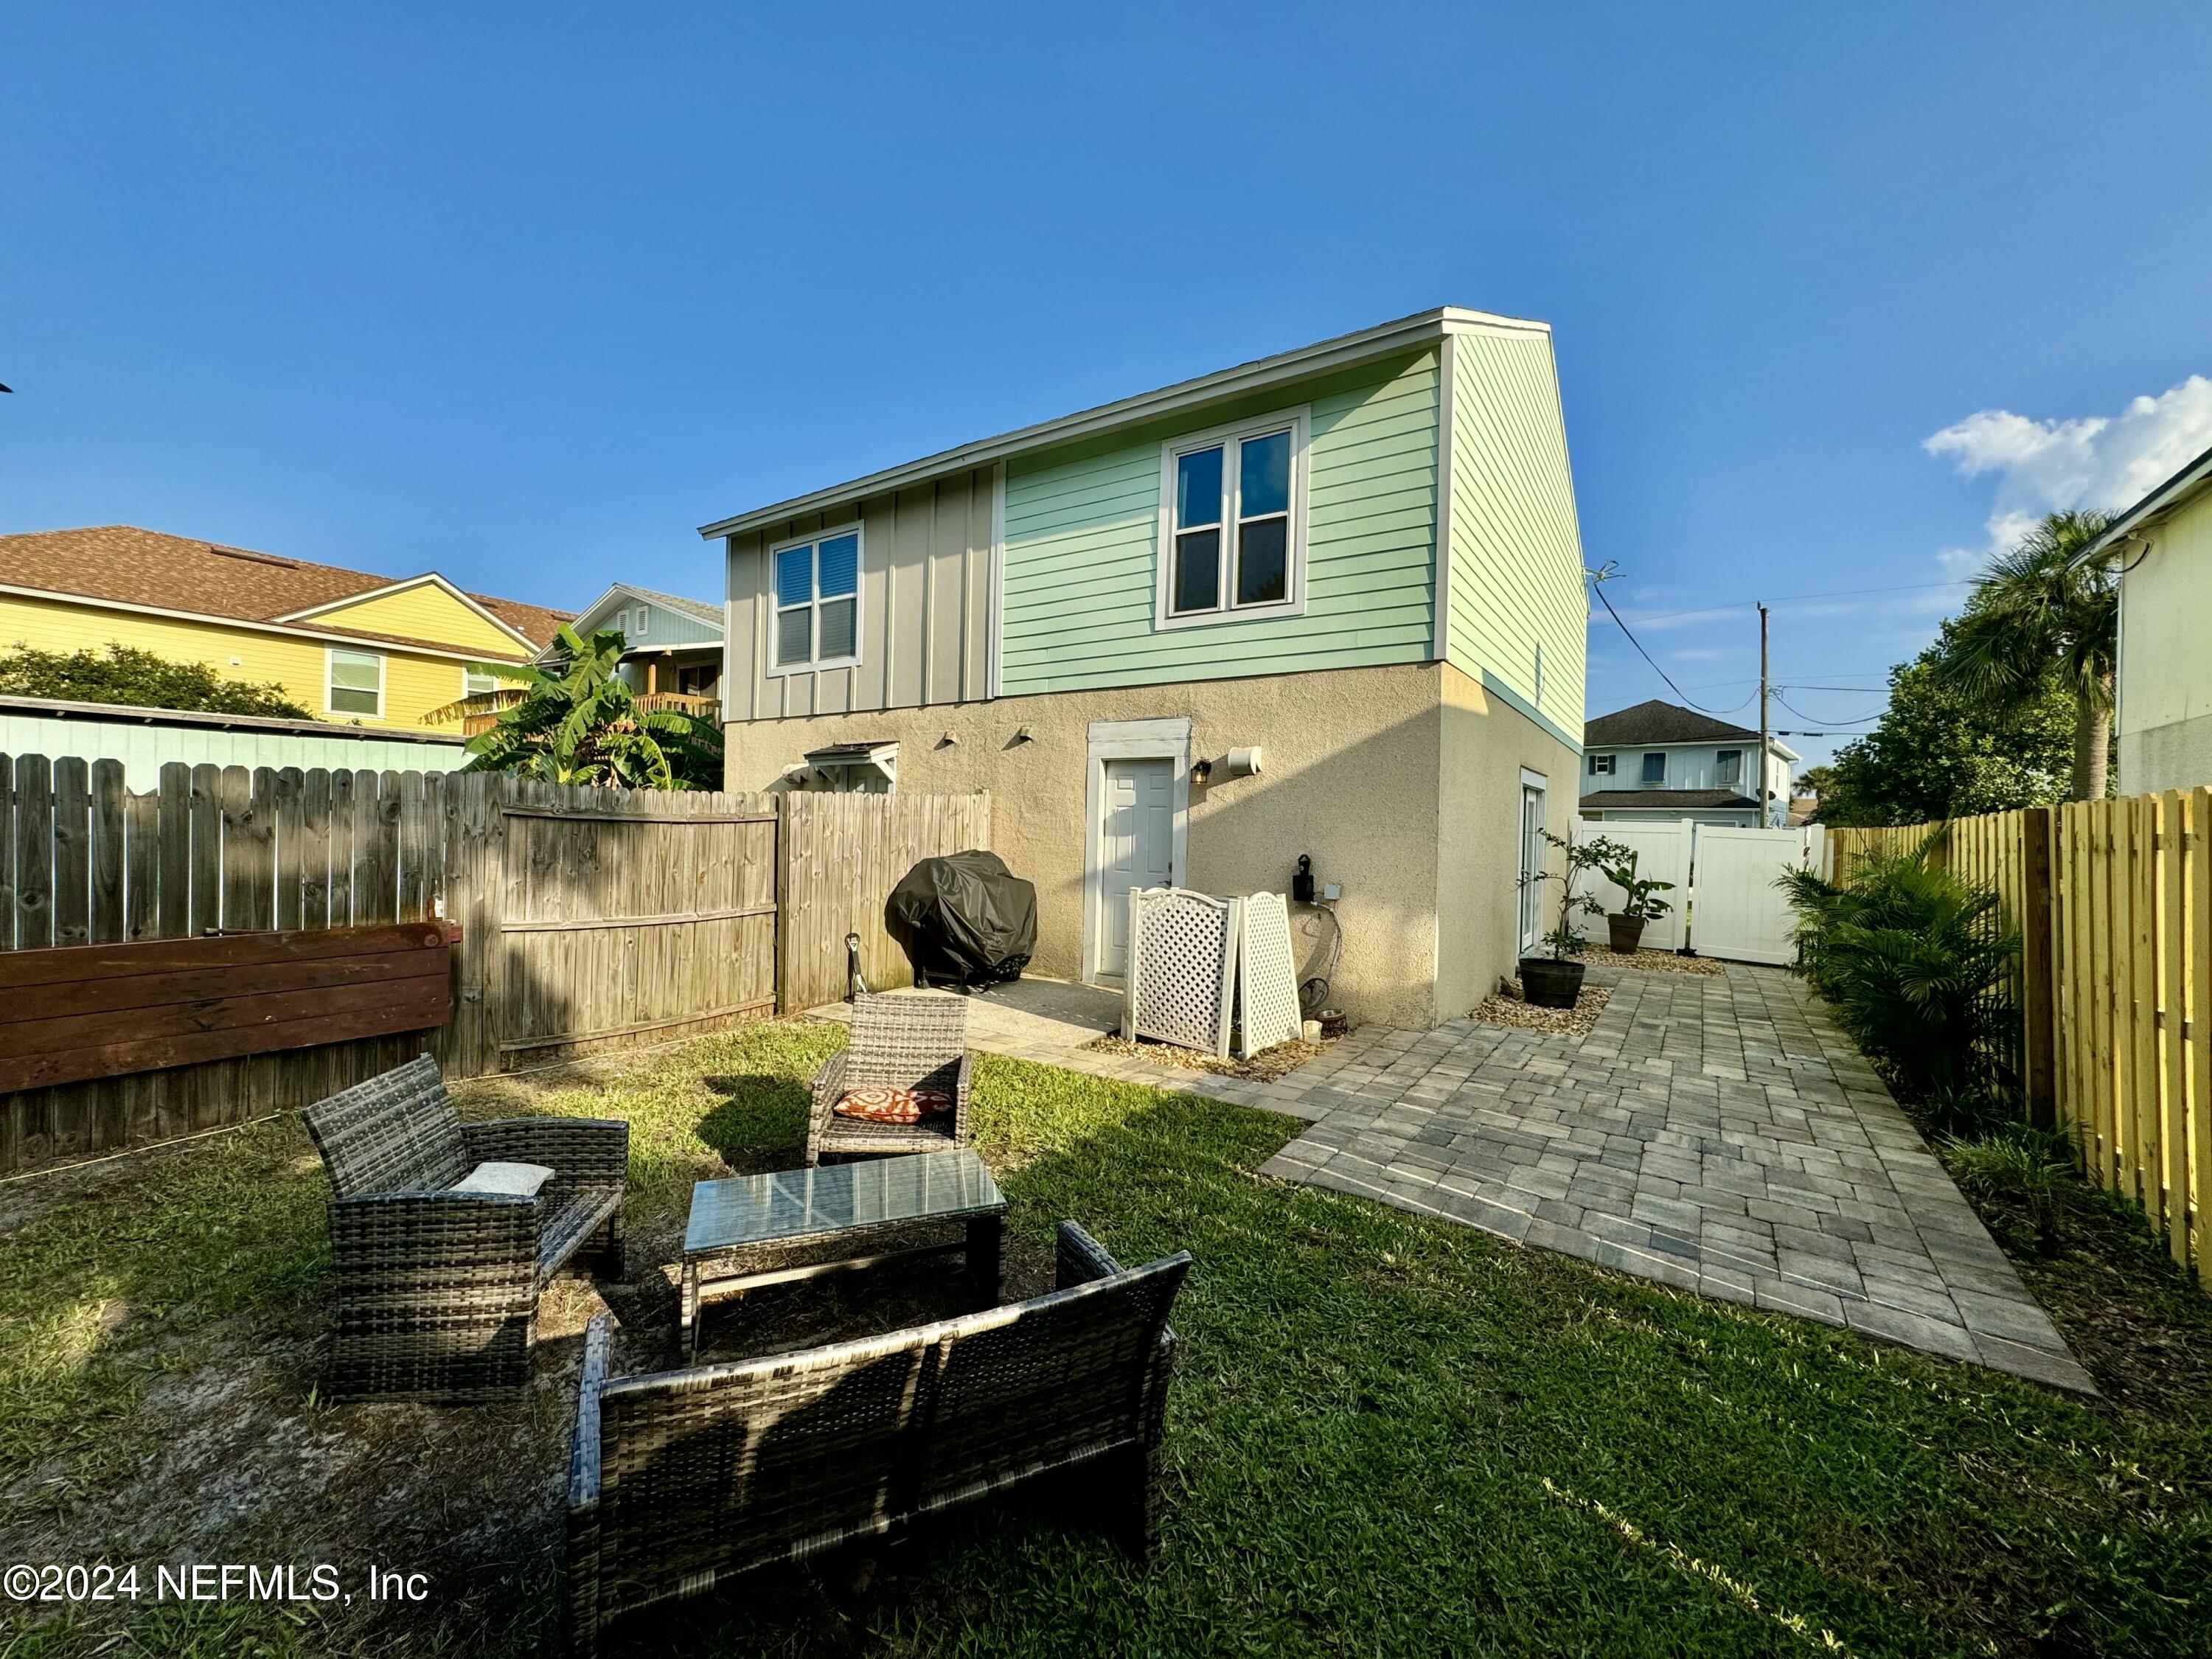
(1268, 1010)
(1183, 958)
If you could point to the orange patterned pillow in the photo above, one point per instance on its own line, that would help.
(892, 1105)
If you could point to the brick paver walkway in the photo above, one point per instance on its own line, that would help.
(1714, 1132)
(1717, 1133)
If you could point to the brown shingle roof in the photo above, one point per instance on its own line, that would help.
(130, 566)
(1658, 722)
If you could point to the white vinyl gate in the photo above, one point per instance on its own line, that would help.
(1725, 901)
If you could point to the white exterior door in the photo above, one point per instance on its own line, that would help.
(1135, 847)
(1532, 865)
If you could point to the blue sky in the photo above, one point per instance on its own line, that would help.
(526, 293)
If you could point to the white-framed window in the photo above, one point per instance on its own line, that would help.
(641, 622)
(1728, 767)
(817, 583)
(353, 681)
(1600, 766)
(478, 682)
(1655, 766)
(1232, 522)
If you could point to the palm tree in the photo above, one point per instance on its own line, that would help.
(577, 721)
(2039, 609)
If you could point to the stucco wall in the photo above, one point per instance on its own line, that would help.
(1359, 772)
(2176, 756)
(1485, 742)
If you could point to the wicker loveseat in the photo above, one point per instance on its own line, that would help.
(686, 1479)
(898, 1043)
(435, 1291)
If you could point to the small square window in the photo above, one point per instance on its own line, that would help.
(478, 682)
(1728, 767)
(356, 682)
(1600, 766)
(818, 602)
(1655, 766)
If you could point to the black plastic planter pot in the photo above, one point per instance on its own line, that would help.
(1548, 982)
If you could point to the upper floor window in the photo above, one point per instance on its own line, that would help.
(1728, 767)
(1655, 766)
(477, 682)
(354, 684)
(1232, 537)
(641, 622)
(1600, 766)
(818, 602)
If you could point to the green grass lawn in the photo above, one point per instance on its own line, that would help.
(1388, 1436)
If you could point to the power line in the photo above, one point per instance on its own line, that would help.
(1856, 720)
(1598, 588)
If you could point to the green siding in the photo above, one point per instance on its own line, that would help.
(1081, 523)
(1517, 558)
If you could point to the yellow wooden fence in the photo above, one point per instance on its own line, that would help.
(2113, 901)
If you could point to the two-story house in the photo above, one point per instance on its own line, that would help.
(1327, 603)
(2162, 689)
(345, 645)
(1658, 761)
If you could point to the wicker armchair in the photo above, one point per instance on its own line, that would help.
(684, 1480)
(898, 1042)
(435, 1291)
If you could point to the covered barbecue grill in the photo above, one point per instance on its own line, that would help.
(964, 921)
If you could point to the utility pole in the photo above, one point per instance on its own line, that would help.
(1764, 812)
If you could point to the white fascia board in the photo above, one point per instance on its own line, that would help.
(1345, 351)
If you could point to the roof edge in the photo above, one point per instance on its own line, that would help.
(1343, 351)
(2176, 491)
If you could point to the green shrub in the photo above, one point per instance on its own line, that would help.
(128, 674)
(2028, 1169)
(1918, 965)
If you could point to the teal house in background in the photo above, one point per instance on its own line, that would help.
(673, 650)
(1330, 604)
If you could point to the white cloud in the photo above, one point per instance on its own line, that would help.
(1696, 656)
(2106, 462)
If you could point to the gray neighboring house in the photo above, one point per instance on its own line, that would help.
(1658, 761)
(674, 654)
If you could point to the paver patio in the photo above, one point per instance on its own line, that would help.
(1713, 1132)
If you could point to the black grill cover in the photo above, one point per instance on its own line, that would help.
(964, 920)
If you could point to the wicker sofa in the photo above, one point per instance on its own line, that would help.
(686, 1479)
(898, 1043)
(435, 1291)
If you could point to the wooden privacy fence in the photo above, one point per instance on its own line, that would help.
(2113, 901)
(843, 855)
(588, 918)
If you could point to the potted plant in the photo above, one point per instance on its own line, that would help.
(1556, 981)
(1624, 926)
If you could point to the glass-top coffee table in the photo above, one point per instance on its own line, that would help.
(741, 1227)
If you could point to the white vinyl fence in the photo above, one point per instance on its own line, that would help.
(1725, 900)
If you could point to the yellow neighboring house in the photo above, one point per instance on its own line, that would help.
(346, 645)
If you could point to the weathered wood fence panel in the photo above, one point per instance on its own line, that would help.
(2113, 899)
(617, 923)
(842, 855)
(590, 918)
(665, 905)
